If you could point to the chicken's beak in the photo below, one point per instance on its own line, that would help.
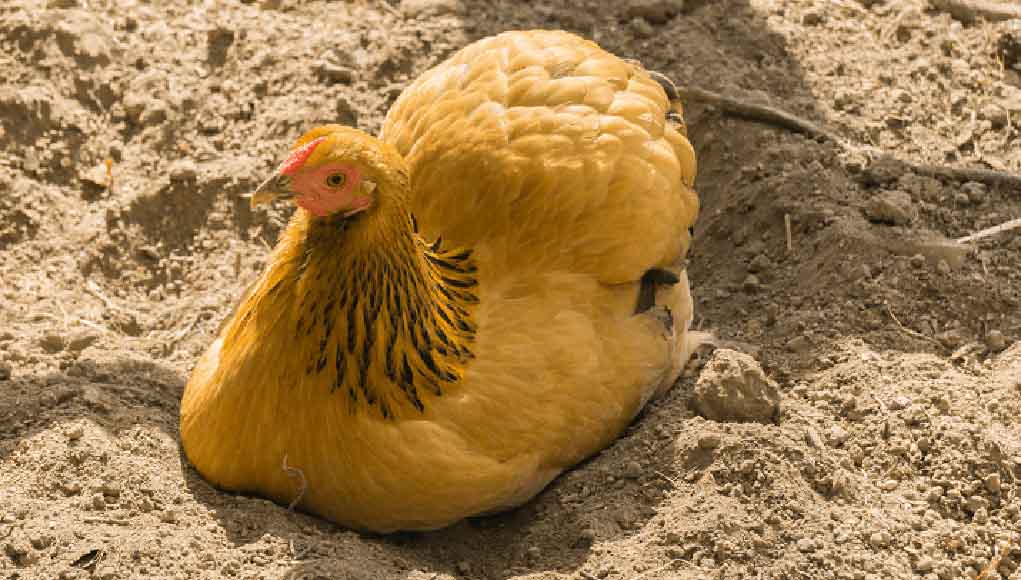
(275, 187)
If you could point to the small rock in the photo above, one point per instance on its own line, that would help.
(183, 171)
(995, 341)
(709, 441)
(81, 340)
(52, 342)
(334, 73)
(889, 485)
(464, 568)
(994, 113)
(75, 432)
(733, 386)
(890, 207)
(992, 483)
(813, 18)
(880, 539)
(95, 175)
(424, 8)
(642, 28)
(943, 267)
(111, 489)
(760, 263)
(981, 516)
(98, 501)
(799, 344)
(976, 191)
(838, 436)
(168, 516)
(751, 284)
(21, 552)
(6, 370)
(654, 11)
(632, 470)
(533, 553)
(806, 545)
(218, 42)
(924, 565)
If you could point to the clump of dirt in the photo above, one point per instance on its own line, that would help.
(894, 452)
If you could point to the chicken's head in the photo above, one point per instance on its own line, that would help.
(336, 171)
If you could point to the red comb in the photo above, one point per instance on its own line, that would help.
(299, 156)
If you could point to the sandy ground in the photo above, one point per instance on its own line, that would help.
(897, 450)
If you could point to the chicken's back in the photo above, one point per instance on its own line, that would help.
(541, 150)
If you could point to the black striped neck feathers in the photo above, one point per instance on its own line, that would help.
(382, 317)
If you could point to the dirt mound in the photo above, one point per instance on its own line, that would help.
(896, 450)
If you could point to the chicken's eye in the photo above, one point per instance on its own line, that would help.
(335, 180)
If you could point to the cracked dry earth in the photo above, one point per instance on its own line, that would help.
(894, 354)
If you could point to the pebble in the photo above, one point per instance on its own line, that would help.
(981, 516)
(21, 552)
(733, 386)
(924, 565)
(98, 501)
(992, 482)
(889, 485)
(760, 263)
(995, 114)
(632, 470)
(880, 539)
(6, 370)
(806, 545)
(709, 441)
(799, 344)
(976, 191)
(642, 28)
(52, 342)
(183, 171)
(422, 8)
(838, 435)
(751, 284)
(813, 18)
(890, 207)
(995, 341)
(75, 432)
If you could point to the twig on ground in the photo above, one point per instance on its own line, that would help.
(986, 176)
(779, 118)
(971, 10)
(908, 331)
(669, 479)
(756, 112)
(106, 521)
(787, 229)
(93, 289)
(1006, 226)
(298, 473)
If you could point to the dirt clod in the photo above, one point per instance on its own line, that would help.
(734, 387)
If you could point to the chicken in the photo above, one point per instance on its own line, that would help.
(466, 306)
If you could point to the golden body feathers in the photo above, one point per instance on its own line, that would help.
(415, 383)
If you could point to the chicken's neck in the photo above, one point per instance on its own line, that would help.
(384, 319)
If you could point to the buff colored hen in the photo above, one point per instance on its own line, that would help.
(468, 305)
